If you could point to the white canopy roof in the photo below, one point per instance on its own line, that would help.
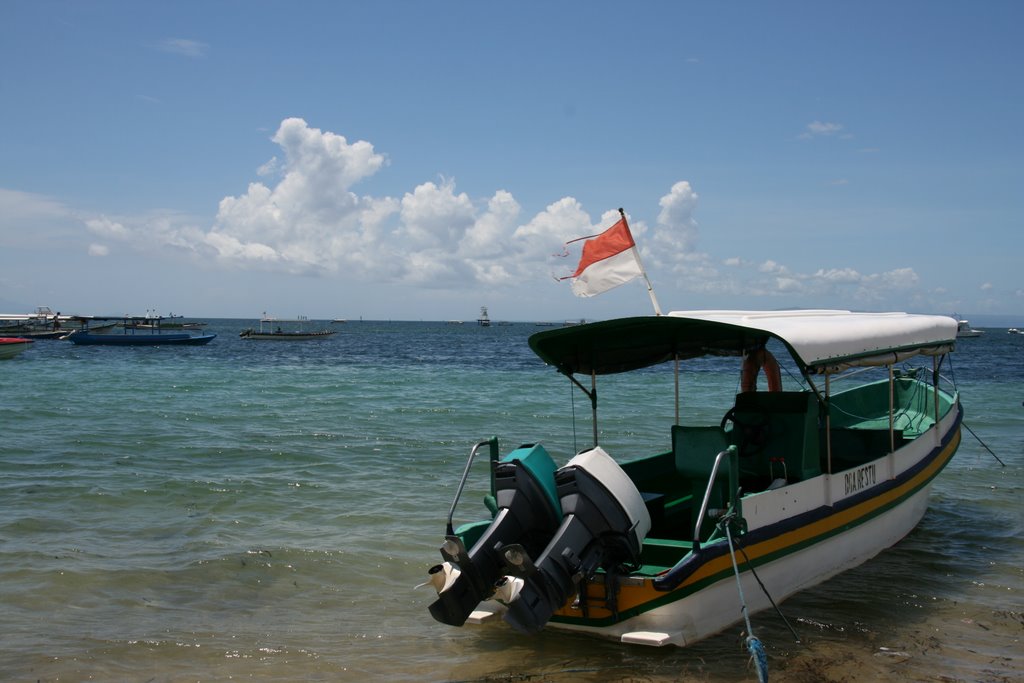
(821, 336)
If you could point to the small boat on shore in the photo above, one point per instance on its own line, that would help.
(792, 486)
(284, 329)
(135, 331)
(12, 346)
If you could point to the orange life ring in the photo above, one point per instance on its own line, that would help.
(754, 362)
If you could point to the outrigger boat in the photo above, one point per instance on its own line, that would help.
(136, 331)
(790, 488)
(281, 329)
(42, 324)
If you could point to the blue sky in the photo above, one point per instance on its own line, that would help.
(415, 160)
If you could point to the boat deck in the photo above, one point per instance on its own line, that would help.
(779, 438)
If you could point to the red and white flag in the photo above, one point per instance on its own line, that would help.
(608, 260)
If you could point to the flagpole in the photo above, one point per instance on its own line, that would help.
(636, 255)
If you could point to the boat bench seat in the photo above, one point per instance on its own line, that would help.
(659, 554)
(665, 492)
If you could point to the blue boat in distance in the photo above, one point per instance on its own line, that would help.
(137, 331)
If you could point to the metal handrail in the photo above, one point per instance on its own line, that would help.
(707, 494)
(462, 484)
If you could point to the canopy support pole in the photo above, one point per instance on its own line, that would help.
(892, 417)
(677, 387)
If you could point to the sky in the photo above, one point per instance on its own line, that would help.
(418, 160)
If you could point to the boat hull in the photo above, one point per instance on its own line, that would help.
(12, 346)
(284, 336)
(841, 523)
(712, 609)
(144, 339)
(789, 488)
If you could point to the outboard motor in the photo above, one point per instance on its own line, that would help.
(528, 514)
(604, 526)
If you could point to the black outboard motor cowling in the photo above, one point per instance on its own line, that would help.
(528, 515)
(604, 527)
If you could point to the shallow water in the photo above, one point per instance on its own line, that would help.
(259, 510)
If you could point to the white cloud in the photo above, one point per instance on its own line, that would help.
(311, 221)
(106, 227)
(184, 47)
(844, 284)
(817, 129)
(986, 286)
(434, 216)
(268, 168)
(305, 217)
(52, 223)
(231, 248)
(788, 284)
(560, 222)
(488, 237)
(676, 231)
(901, 278)
(839, 275)
(773, 268)
(19, 205)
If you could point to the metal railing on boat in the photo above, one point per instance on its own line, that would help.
(732, 453)
(493, 443)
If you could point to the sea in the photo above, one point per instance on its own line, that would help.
(263, 511)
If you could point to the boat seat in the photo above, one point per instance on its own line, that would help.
(788, 443)
(695, 450)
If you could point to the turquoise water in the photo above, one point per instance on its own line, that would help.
(262, 511)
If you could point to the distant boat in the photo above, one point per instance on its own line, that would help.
(964, 329)
(484, 320)
(1014, 330)
(42, 324)
(12, 346)
(136, 331)
(181, 325)
(339, 321)
(30, 332)
(283, 329)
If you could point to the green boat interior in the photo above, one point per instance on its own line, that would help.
(781, 438)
